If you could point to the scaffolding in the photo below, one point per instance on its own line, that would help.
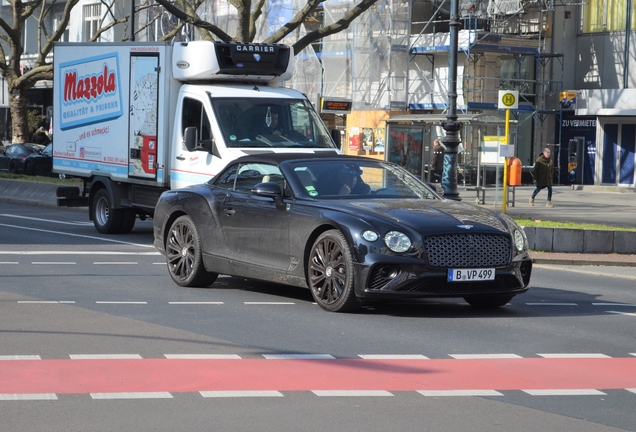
(395, 57)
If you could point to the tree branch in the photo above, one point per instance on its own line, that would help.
(194, 20)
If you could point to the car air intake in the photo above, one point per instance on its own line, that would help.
(467, 250)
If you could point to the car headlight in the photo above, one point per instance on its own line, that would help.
(370, 235)
(520, 241)
(397, 241)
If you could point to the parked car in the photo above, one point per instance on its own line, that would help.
(350, 229)
(40, 162)
(15, 156)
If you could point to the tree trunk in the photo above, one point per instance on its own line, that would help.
(19, 123)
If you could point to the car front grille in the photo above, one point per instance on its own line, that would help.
(467, 251)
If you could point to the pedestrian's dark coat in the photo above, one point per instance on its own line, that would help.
(542, 172)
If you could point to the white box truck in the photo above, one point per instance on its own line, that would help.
(135, 119)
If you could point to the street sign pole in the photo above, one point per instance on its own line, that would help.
(508, 99)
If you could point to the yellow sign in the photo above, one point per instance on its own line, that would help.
(508, 99)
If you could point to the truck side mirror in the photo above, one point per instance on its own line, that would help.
(190, 138)
(337, 138)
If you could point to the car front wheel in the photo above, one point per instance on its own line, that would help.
(184, 255)
(330, 273)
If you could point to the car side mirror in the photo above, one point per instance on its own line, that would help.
(268, 189)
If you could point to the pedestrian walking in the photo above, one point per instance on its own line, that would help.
(437, 162)
(542, 173)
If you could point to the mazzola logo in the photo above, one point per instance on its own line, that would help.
(89, 87)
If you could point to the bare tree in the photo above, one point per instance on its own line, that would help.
(185, 10)
(19, 81)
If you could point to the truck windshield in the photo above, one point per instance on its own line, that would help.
(282, 123)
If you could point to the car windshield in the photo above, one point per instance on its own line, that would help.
(342, 180)
(282, 123)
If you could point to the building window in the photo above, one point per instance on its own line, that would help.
(606, 16)
(92, 19)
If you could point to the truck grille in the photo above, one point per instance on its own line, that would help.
(467, 250)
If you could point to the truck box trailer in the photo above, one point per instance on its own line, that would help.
(136, 119)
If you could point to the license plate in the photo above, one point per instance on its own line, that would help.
(469, 275)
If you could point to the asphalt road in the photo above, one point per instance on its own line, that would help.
(95, 336)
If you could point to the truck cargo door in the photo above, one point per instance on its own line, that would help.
(143, 112)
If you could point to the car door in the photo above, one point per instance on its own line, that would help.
(256, 229)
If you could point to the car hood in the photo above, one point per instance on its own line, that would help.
(443, 216)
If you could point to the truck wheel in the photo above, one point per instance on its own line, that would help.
(128, 221)
(184, 255)
(106, 219)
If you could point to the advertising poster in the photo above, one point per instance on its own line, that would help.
(405, 148)
(367, 139)
(354, 139)
(378, 146)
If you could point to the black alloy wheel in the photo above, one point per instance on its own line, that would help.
(184, 255)
(330, 273)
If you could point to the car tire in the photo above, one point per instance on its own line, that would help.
(184, 255)
(488, 302)
(330, 273)
(106, 219)
(129, 218)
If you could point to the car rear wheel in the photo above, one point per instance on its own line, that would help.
(184, 255)
(488, 302)
(106, 219)
(331, 278)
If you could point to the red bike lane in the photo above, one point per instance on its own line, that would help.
(194, 375)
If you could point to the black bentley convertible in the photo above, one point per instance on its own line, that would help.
(350, 229)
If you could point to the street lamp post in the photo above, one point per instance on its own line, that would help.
(451, 126)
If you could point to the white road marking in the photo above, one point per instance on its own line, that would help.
(53, 262)
(632, 354)
(77, 253)
(28, 396)
(45, 220)
(45, 302)
(9, 262)
(202, 356)
(132, 395)
(268, 303)
(20, 357)
(484, 356)
(633, 390)
(437, 393)
(115, 263)
(551, 304)
(565, 392)
(123, 302)
(574, 355)
(347, 393)
(240, 393)
(614, 304)
(392, 357)
(105, 356)
(77, 235)
(196, 303)
(622, 313)
(298, 356)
